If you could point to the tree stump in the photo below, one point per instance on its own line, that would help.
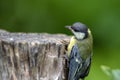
(33, 56)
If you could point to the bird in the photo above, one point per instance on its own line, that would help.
(79, 51)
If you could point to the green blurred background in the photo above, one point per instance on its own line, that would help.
(102, 16)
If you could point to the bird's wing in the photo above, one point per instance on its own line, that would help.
(88, 64)
(86, 67)
(75, 63)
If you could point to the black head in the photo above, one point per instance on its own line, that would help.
(79, 28)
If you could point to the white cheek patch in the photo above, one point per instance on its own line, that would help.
(79, 35)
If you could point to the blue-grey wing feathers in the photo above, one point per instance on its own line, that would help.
(75, 63)
(78, 68)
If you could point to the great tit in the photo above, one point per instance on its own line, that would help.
(79, 51)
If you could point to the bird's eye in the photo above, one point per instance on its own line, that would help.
(75, 29)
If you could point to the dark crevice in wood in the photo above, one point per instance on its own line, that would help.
(33, 56)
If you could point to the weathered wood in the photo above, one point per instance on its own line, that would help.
(32, 56)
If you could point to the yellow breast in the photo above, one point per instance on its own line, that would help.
(84, 46)
(73, 41)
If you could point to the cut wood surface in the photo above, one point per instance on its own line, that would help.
(33, 56)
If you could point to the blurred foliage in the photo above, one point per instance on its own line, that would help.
(102, 16)
(113, 74)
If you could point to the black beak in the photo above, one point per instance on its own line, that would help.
(68, 27)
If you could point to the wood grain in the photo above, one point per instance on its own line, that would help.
(33, 56)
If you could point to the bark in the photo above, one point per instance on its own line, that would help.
(33, 56)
